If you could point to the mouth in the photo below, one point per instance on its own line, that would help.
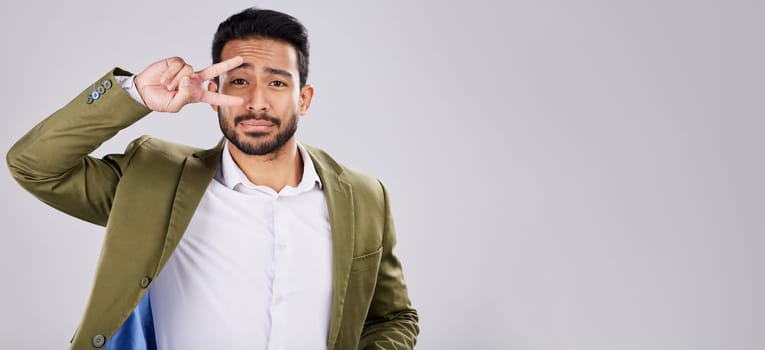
(256, 125)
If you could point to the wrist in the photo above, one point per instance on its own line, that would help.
(130, 85)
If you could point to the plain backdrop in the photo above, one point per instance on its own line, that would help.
(564, 174)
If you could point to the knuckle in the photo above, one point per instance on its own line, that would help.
(175, 62)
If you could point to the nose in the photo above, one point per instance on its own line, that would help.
(257, 100)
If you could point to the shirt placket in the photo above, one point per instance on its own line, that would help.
(281, 267)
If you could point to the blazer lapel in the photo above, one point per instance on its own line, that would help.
(339, 196)
(198, 171)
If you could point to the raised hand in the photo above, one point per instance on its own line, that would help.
(170, 84)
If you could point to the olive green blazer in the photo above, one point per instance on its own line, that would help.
(146, 196)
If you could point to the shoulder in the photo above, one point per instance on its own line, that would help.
(151, 146)
(363, 185)
(149, 153)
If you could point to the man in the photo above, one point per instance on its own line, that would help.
(259, 243)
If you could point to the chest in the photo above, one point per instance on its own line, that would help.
(248, 265)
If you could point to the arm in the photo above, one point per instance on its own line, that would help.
(391, 323)
(51, 161)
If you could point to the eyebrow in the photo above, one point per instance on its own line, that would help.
(269, 70)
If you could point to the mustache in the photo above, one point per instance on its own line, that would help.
(253, 116)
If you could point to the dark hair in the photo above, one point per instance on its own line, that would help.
(255, 23)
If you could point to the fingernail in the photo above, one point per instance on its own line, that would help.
(170, 87)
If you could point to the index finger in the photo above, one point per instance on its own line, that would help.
(219, 99)
(220, 68)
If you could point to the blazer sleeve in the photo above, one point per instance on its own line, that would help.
(51, 161)
(391, 323)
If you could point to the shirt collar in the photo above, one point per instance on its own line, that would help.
(230, 175)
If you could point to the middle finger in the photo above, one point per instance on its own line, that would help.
(219, 68)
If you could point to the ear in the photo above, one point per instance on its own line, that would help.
(306, 95)
(212, 87)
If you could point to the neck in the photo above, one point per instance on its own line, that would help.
(276, 170)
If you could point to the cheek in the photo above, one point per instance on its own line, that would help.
(226, 115)
(290, 102)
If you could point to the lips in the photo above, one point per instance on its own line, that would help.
(256, 126)
(252, 123)
(255, 122)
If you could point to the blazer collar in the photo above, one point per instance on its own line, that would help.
(339, 195)
(198, 171)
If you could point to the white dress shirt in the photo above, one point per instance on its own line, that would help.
(253, 269)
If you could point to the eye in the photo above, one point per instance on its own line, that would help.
(278, 83)
(238, 81)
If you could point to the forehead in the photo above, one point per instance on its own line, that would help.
(262, 52)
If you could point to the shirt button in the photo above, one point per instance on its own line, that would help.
(278, 299)
(281, 246)
(99, 340)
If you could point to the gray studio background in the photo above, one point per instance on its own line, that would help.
(564, 174)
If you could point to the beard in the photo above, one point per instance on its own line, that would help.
(259, 143)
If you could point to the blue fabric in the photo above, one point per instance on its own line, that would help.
(137, 333)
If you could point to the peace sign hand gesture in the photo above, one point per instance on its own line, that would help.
(169, 84)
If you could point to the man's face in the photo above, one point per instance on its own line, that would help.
(268, 81)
